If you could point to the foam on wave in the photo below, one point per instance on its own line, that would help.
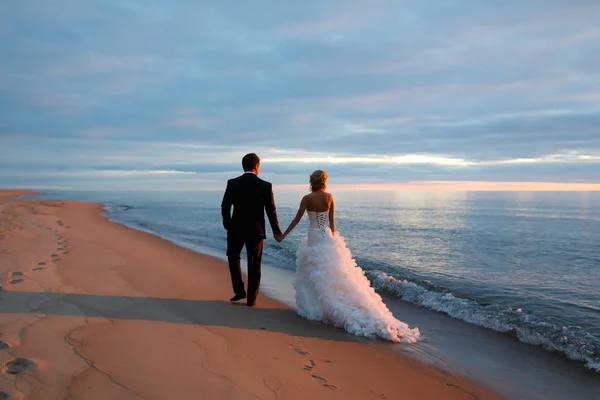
(574, 342)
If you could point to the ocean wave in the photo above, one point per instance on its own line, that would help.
(116, 207)
(574, 342)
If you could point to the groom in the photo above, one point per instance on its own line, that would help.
(250, 197)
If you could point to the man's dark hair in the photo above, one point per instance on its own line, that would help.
(250, 161)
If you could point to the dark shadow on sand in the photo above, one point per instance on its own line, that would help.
(197, 312)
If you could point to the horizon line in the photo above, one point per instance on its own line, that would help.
(432, 186)
(464, 186)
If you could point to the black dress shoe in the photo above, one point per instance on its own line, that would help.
(238, 296)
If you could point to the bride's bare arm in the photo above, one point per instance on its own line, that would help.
(298, 217)
(331, 218)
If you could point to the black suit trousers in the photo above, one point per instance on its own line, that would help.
(254, 248)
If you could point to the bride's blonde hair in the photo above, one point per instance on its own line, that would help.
(318, 180)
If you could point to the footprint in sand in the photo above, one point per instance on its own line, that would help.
(324, 382)
(18, 365)
(17, 273)
(38, 268)
(299, 350)
(4, 345)
(309, 367)
(42, 263)
(15, 281)
(4, 396)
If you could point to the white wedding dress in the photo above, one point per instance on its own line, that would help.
(330, 287)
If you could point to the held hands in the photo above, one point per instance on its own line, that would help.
(279, 237)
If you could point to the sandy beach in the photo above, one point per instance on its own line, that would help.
(90, 309)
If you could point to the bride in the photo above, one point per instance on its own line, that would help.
(330, 287)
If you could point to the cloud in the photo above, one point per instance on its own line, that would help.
(388, 91)
(189, 122)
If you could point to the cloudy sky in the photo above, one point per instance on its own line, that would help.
(170, 94)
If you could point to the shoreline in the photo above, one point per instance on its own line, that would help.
(280, 260)
(115, 308)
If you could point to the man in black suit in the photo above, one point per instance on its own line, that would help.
(250, 197)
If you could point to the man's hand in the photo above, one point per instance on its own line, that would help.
(279, 237)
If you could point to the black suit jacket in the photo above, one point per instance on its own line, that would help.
(250, 197)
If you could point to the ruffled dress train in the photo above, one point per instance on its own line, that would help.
(331, 288)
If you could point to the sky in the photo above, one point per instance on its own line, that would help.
(148, 94)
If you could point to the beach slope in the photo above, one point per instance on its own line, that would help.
(90, 309)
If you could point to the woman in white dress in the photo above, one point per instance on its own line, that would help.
(330, 287)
